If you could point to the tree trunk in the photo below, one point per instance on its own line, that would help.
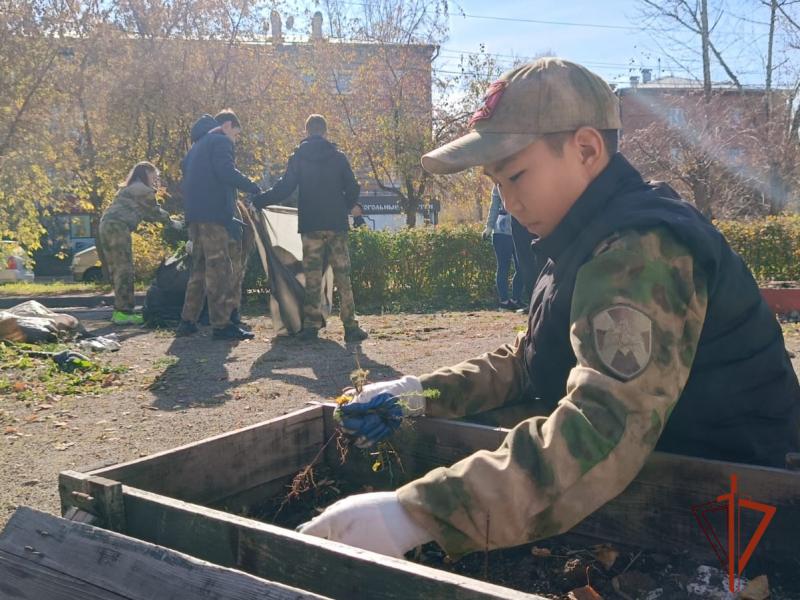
(411, 205)
(411, 202)
(700, 189)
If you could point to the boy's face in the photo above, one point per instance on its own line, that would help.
(539, 187)
(233, 132)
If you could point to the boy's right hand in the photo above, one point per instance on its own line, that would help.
(380, 408)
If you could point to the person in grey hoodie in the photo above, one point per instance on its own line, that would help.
(498, 226)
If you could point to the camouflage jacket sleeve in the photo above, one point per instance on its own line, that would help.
(480, 384)
(637, 311)
(150, 209)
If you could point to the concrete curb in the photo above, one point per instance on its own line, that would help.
(67, 301)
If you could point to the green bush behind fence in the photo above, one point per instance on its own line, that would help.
(453, 267)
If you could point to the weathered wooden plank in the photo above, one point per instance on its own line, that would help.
(654, 512)
(22, 579)
(278, 554)
(96, 496)
(75, 556)
(213, 469)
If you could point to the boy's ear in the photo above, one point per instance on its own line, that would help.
(590, 145)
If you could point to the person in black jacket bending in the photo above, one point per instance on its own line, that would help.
(328, 192)
(210, 181)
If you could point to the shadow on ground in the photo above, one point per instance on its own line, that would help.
(195, 374)
(330, 364)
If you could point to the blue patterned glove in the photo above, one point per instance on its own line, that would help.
(373, 421)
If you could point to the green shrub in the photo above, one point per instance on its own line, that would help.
(421, 268)
(769, 246)
(452, 267)
(414, 269)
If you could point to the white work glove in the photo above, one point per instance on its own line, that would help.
(375, 521)
(378, 411)
(188, 247)
(408, 389)
(176, 224)
(487, 233)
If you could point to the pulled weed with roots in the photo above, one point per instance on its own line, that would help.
(308, 482)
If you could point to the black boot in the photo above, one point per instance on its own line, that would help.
(232, 332)
(236, 318)
(185, 328)
(307, 334)
(355, 334)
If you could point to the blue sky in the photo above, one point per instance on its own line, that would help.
(616, 44)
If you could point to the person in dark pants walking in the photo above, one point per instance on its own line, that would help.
(498, 226)
(529, 264)
(210, 181)
(328, 192)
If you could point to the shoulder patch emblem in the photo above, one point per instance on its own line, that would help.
(623, 339)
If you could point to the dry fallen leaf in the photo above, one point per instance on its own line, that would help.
(19, 386)
(586, 592)
(606, 555)
(540, 552)
(756, 589)
(10, 430)
(64, 446)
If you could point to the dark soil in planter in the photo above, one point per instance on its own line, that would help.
(554, 567)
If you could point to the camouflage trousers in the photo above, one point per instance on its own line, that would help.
(240, 251)
(320, 248)
(212, 275)
(115, 241)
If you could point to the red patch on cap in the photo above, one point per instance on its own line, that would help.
(490, 102)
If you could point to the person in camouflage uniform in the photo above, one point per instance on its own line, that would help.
(210, 184)
(645, 331)
(319, 249)
(328, 190)
(135, 202)
(240, 246)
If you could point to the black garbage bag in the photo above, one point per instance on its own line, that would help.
(164, 300)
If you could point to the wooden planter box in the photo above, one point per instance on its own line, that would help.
(186, 499)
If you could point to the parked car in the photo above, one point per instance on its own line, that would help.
(15, 261)
(86, 265)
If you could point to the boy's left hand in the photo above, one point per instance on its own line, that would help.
(375, 521)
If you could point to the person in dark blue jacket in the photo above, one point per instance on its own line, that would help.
(209, 185)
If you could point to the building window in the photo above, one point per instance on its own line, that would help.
(342, 82)
(676, 117)
(80, 226)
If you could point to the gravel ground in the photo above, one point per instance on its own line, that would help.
(174, 391)
(179, 390)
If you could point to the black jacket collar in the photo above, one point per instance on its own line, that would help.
(619, 176)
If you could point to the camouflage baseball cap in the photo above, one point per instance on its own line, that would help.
(546, 96)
